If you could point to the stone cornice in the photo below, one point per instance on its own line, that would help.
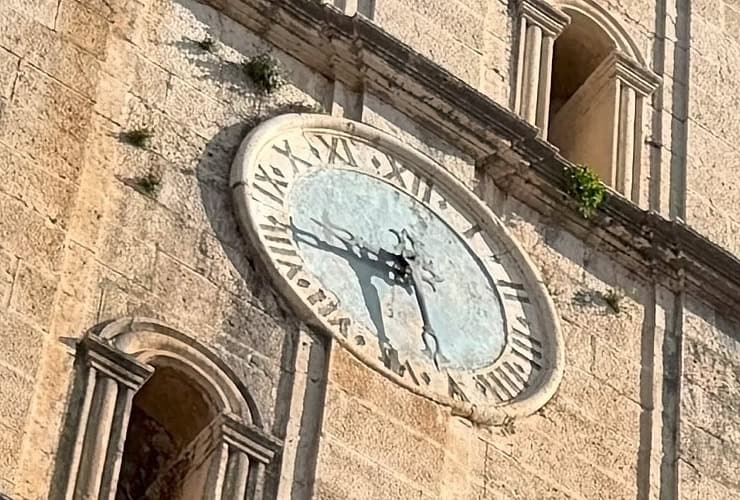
(548, 17)
(361, 55)
(106, 359)
(642, 80)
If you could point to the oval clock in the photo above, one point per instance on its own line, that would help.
(380, 246)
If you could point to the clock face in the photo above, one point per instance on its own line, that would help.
(398, 261)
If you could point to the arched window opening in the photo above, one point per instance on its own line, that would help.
(159, 460)
(582, 96)
(582, 82)
(161, 418)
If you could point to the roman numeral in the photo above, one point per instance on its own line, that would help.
(342, 324)
(323, 304)
(395, 175)
(472, 231)
(347, 158)
(270, 183)
(486, 387)
(502, 385)
(455, 391)
(513, 291)
(526, 348)
(422, 189)
(296, 162)
(292, 267)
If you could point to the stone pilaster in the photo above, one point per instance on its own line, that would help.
(634, 84)
(111, 380)
(539, 24)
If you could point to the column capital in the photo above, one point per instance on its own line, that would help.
(540, 13)
(250, 439)
(631, 73)
(105, 358)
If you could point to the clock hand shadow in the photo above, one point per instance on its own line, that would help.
(364, 268)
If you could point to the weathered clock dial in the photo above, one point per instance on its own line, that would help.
(381, 247)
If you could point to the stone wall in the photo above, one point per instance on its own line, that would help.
(83, 240)
(648, 405)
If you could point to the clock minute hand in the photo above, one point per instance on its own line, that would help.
(413, 272)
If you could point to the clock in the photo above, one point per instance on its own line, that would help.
(379, 246)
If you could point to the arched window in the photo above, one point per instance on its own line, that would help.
(161, 418)
(583, 83)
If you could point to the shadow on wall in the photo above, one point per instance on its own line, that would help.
(265, 324)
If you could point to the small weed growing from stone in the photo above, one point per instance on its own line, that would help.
(612, 299)
(139, 137)
(148, 184)
(265, 73)
(586, 188)
(207, 44)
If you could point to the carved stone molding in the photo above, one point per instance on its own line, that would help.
(115, 366)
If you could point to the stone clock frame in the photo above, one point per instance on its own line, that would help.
(548, 378)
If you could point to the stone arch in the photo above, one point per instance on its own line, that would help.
(131, 371)
(623, 42)
(152, 342)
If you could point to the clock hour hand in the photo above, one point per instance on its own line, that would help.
(414, 272)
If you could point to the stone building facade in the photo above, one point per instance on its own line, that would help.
(147, 352)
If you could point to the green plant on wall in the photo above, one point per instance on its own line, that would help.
(613, 300)
(207, 44)
(148, 184)
(265, 73)
(586, 188)
(139, 137)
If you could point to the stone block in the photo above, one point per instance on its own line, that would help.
(571, 472)
(373, 390)
(48, 195)
(43, 11)
(579, 345)
(20, 344)
(154, 223)
(717, 416)
(185, 292)
(710, 456)
(427, 38)
(696, 485)
(590, 440)
(9, 63)
(127, 254)
(28, 235)
(82, 26)
(110, 98)
(462, 22)
(718, 226)
(174, 141)
(619, 372)
(344, 474)
(228, 267)
(248, 326)
(204, 114)
(507, 478)
(10, 449)
(382, 440)
(46, 50)
(712, 370)
(50, 147)
(14, 398)
(600, 402)
(8, 268)
(33, 295)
